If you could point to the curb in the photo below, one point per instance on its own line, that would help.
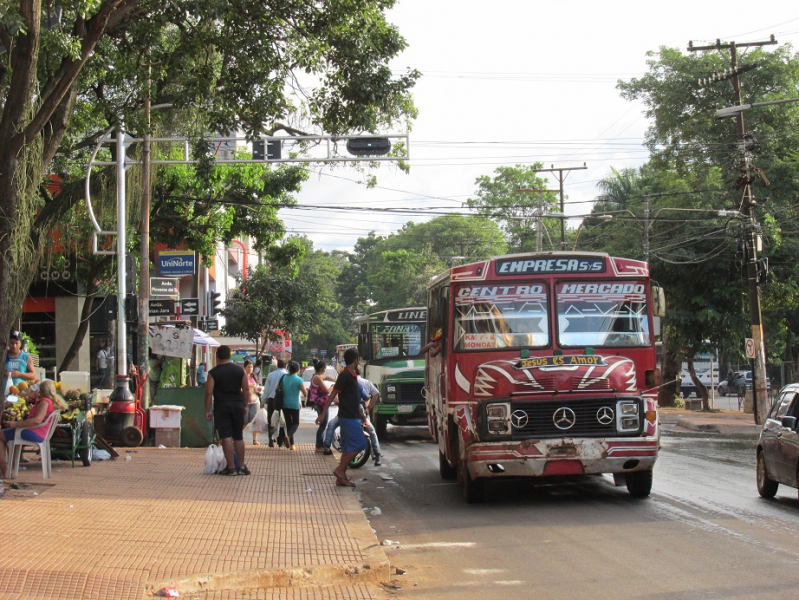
(748, 430)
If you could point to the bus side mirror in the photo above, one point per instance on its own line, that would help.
(658, 301)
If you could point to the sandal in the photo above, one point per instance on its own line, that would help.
(228, 471)
(344, 482)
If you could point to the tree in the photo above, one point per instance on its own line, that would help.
(685, 140)
(273, 298)
(504, 199)
(234, 64)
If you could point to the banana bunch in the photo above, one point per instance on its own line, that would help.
(69, 415)
(16, 411)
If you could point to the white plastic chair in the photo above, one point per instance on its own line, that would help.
(15, 446)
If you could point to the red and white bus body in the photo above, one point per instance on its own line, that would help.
(546, 366)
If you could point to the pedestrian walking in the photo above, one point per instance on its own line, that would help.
(268, 397)
(228, 389)
(254, 397)
(348, 393)
(317, 398)
(102, 363)
(293, 386)
(202, 374)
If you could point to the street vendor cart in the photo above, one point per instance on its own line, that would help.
(74, 435)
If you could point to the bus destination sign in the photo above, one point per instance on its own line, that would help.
(526, 266)
(561, 361)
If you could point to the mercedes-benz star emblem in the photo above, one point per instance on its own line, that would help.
(605, 415)
(518, 419)
(564, 418)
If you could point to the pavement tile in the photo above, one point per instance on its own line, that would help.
(120, 529)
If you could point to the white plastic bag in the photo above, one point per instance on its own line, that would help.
(212, 459)
(276, 419)
(221, 461)
(259, 422)
(9, 383)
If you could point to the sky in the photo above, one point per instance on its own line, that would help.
(517, 82)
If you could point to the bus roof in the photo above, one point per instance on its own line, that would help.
(411, 314)
(472, 271)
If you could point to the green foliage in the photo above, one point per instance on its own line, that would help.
(508, 198)
(272, 298)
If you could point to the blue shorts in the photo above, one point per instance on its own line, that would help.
(26, 435)
(352, 437)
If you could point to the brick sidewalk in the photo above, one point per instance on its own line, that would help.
(126, 528)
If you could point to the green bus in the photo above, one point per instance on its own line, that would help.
(388, 343)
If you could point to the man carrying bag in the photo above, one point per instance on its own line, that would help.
(270, 389)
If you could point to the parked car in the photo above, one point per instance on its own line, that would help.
(741, 381)
(778, 446)
(308, 374)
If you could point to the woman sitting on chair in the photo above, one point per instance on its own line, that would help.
(46, 402)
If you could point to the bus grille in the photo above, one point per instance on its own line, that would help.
(541, 419)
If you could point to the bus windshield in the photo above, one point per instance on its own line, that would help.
(396, 340)
(501, 316)
(597, 313)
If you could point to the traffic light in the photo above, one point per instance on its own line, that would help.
(214, 304)
(269, 151)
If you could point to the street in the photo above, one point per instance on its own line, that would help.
(703, 533)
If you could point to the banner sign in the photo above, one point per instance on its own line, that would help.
(171, 341)
(176, 263)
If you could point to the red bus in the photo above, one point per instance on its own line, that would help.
(544, 364)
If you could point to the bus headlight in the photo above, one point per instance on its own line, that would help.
(498, 418)
(391, 396)
(628, 416)
(391, 388)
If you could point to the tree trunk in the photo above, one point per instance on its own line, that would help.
(671, 369)
(85, 313)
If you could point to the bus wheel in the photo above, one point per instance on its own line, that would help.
(381, 424)
(447, 471)
(639, 483)
(473, 489)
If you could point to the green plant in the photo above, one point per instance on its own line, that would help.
(679, 402)
(27, 344)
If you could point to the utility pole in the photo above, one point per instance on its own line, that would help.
(143, 303)
(759, 388)
(561, 174)
(561, 178)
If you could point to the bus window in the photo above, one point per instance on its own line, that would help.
(508, 316)
(602, 314)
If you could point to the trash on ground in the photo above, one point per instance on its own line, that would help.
(399, 571)
(308, 491)
(100, 454)
(376, 511)
(128, 457)
(387, 542)
(161, 446)
(169, 591)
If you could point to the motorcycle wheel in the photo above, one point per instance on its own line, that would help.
(362, 457)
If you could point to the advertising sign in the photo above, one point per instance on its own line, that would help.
(171, 341)
(176, 263)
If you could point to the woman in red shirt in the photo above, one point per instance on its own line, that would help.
(46, 401)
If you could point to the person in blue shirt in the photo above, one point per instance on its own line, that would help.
(293, 386)
(19, 364)
(202, 371)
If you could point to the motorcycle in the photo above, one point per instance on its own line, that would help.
(363, 456)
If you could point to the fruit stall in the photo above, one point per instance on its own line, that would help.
(74, 436)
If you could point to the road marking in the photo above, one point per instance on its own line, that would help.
(440, 545)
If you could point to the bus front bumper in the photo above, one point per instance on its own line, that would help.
(576, 456)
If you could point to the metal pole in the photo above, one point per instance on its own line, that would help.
(539, 240)
(646, 228)
(121, 390)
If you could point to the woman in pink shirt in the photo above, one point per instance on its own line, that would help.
(46, 401)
